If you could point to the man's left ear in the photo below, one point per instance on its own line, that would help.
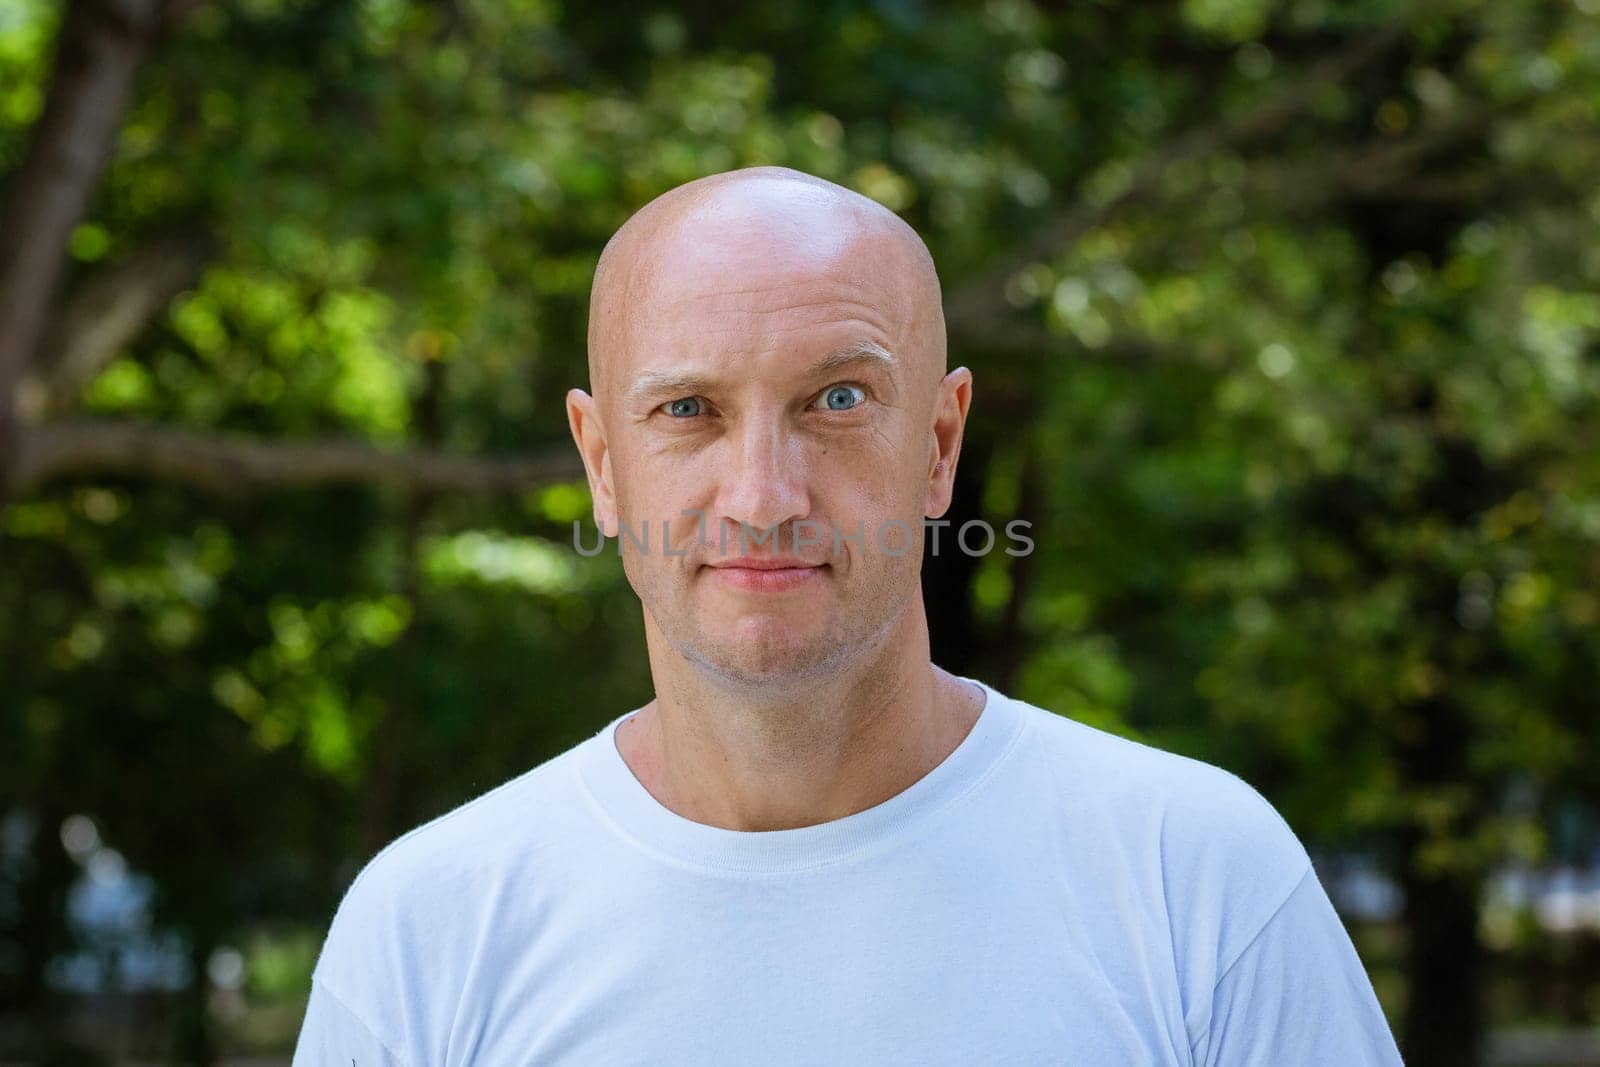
(950, 420)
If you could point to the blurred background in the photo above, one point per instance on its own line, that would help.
(1285, 325)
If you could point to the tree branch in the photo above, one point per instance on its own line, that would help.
(1429, 166)
(101, 318)
(101, 47)
(230, 464)
(987, 291)
(99, 51)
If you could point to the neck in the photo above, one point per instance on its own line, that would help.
(801, 751)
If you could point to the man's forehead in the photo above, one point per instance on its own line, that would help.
(772, 290)
(769, 321)
(764, 252)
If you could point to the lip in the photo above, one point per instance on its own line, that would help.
(765, 563)
(767, 574)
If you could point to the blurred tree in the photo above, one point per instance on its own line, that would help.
(1283, 324)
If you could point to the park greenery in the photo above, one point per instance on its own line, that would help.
(1285, 326)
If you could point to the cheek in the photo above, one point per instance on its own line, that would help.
(871, 452)
(656, 490)
(881, 480)
(877, 503)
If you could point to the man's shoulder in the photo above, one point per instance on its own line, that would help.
(1199, 844)
(399, 909)
(1203, 817)
(519, 814)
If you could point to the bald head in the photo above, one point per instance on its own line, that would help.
(767, 353)
(749, 245)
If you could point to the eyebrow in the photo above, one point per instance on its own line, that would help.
(651, 384)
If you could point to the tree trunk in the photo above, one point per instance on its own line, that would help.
(1444, 965)
(41, 932)
(947, 577)
(1011, 645)
(194, 1038)
(100, 50)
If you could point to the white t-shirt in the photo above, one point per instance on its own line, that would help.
(1047, 894)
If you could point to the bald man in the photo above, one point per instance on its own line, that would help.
(815, 846)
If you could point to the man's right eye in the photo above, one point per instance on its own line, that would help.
(684, 408)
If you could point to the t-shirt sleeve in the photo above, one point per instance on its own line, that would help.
(1297, 994)
(334, 1036)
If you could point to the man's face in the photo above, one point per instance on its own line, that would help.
(769, 380)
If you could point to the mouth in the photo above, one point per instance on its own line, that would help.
(767, 574)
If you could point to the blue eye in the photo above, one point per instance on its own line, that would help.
(842, 397)
(685, 407)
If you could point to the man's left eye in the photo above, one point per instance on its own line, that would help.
(842, 397)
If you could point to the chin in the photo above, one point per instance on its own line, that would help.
(751, 658)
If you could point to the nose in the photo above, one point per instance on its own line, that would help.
(764, 483)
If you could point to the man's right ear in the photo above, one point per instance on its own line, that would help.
(589, 434)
